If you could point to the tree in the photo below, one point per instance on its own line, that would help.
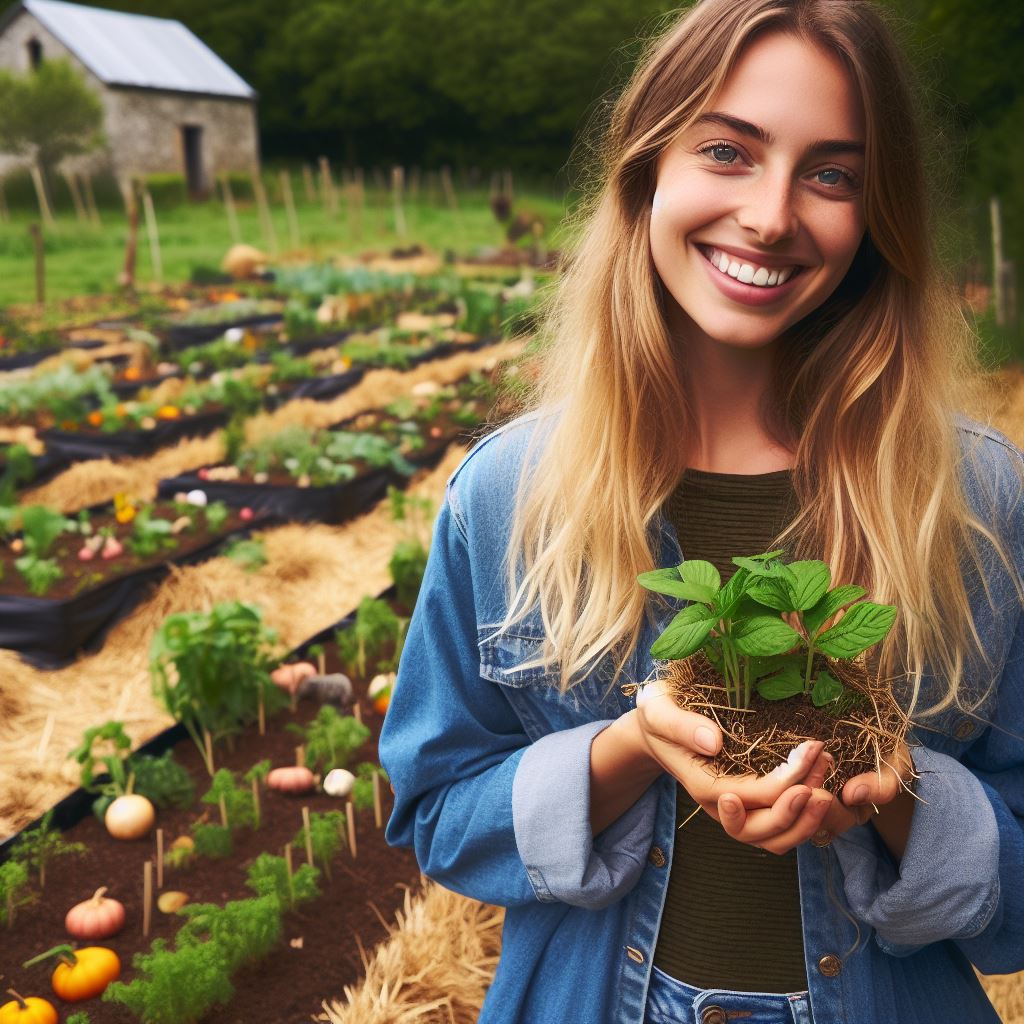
(48, 114)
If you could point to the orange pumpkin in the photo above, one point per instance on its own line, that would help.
(95, 418)
(82, 973)
(32, 1010)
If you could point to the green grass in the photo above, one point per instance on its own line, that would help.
(86, 260)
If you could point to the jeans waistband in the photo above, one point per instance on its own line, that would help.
(670, 1001)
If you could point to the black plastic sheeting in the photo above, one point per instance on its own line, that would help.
(317, 388)
(20, 360)
(179, 336)
(335, 503)
(48, 633)
(77, 804)
(131, 443)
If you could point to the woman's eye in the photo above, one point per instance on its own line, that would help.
(837, 179)
(720, 152)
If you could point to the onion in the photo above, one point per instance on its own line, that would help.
(129, 817)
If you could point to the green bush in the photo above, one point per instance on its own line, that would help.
(167, 190)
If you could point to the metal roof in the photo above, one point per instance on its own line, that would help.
(137, 50)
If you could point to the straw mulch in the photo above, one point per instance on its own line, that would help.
(315, 574)
(434, 968)
(98, 480)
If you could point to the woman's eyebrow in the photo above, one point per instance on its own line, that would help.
(823, 147)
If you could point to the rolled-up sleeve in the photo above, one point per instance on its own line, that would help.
(490, 814)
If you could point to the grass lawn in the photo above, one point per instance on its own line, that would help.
(86, 260)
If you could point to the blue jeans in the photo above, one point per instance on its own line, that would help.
(674, 1002)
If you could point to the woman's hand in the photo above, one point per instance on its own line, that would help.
(775, 812)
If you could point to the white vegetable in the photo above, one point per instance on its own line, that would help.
(339, 782)
(197, 498)
(380, 683)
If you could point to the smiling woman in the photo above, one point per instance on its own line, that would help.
(753, 348)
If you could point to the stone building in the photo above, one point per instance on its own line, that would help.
(171, 105)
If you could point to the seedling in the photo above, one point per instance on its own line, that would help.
(14, 891)
(330, 739)
(740, 628)
(43, 844)
(212, 840)
(362, 789)
(325, 832)
(236, 802)
(376, 628)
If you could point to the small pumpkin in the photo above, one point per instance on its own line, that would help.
(82, 973)
(291, 780)
(130, 816)
(30, 1010)
(96, 918)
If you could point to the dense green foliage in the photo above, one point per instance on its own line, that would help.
(330, 739)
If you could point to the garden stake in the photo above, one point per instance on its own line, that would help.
(147, 896)
(289, 208)
(44, 203)
(256, 801)
(90, 200)
(321, 663)
(308, 183)
(208, 746)
(300, 756)
(378, 811)
(131, 245)
(159, 858)
(357, 712)
(223, 812)
(350, 818)
(154, 236)
(229, 208)
(266, 222)
(262, 716)
(44, 740)
(308, 836)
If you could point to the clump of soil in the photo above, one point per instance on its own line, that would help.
(860, 730)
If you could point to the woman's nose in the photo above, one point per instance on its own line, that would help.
(769, 211)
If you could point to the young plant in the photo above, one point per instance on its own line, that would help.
(249, 553)
(375, 629)
(41, 845)
(40, 528)
(14, 890)
(236, 801)
(740, 628)
(362, 788)
(213, 841)
(325, 836)
(211, 669)
(150, 534)
(107, 745)
(268, 876)
(330, 739)
(244, 930)
(407, 566)
(162, 779)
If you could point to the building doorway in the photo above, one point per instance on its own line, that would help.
(192, 150)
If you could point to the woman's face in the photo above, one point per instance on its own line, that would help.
(758, 210)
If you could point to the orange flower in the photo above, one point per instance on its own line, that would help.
(95, 418)
(168, 412)
(125, 514)
(133, 373)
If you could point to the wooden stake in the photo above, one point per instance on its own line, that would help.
(308, 836)
(76, 196)
(229, 209)
(147, 896)
(208, 746)
(262, 715)
(378, 810)
(289, 209)
(300, 755)
(42, 199)
(350, 818)
(223, 812)
(153, 232)
(321, 663)
(266, 221)
(159, 858)
(397, 185)
(256, 801)
(308, 184)
(37, 244)
(357, 712)
(329, 196)
(131, 245)
(90, 200)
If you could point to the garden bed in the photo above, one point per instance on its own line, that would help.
(319, 950)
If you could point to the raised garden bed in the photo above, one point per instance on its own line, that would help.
(318, 953)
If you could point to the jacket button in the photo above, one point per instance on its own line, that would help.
(964, 728)
(657, 857)
(634, 954)
(830, 965)
(822, 837)
(714, 1015)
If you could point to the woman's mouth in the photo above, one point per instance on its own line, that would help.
(747, 282)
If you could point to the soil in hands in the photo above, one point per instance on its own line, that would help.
(319, 953)
(858, 731)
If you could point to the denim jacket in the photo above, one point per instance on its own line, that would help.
(491, 772)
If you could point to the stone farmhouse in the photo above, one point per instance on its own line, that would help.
(171, 105)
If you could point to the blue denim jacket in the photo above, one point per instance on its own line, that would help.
(491, 771)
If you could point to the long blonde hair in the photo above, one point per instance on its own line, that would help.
(866, 384)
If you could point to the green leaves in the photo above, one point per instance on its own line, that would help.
(684, 634)
(764, 635)
(826, 689)
(787, 683)
(860, 628)
(829, 605)
(693, 581)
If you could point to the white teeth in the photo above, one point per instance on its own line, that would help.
(762, 277)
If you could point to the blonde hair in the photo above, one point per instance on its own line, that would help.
(865, 386)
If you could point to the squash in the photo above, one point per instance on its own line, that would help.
(82, 973)
(31, 1010)
(96, 918)
(129, 817)
(291, 780)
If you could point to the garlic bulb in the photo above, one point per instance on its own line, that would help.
(339, 782)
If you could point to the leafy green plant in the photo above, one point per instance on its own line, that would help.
(150, 534)
(740, 628)
(407, 565)
(212, 841)
(162, 779)
(210, 670)
(243, 929)
(40, 528)
(237, 802)
(330, 739)
(362, 788)
(110, 746)
(375, 629)
(325, 836)
(14, 890)
(79, 1018)
(268, 876)
(216, 515)
(250, 553)
(39, 846)
(18, 468)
